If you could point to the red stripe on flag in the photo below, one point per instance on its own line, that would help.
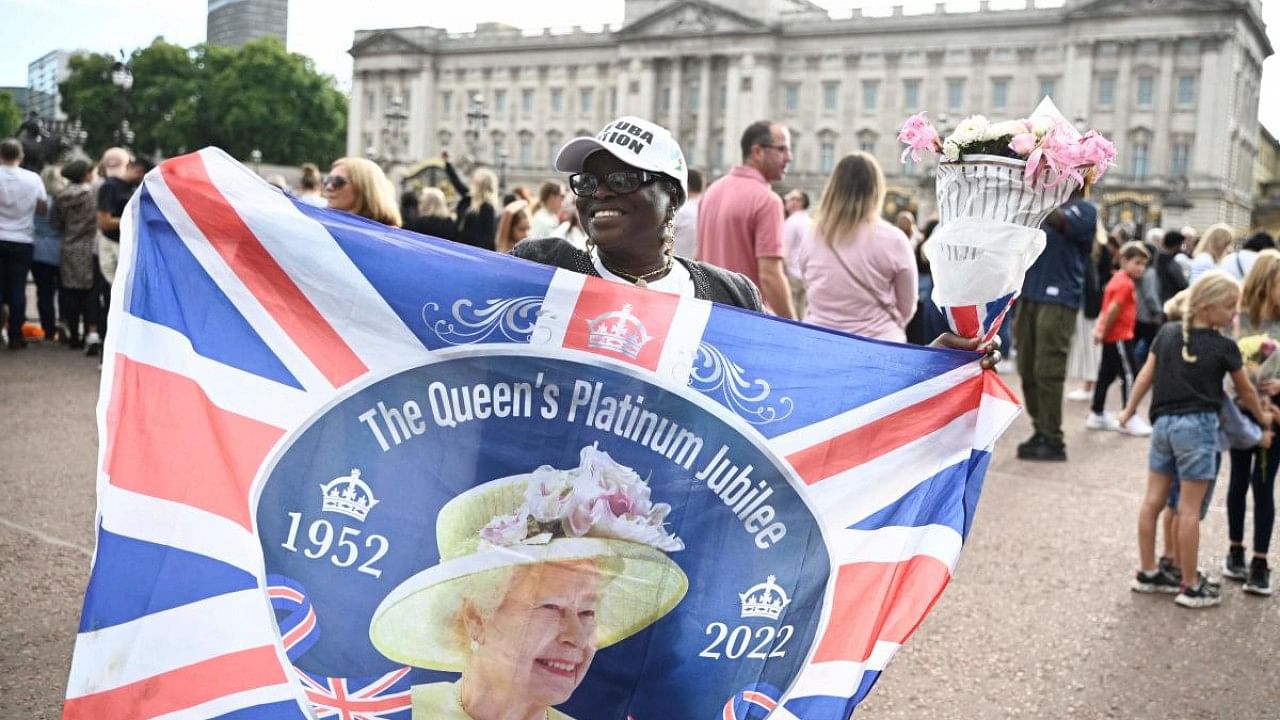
(182, 688)
(189, 181)
(879, 602)
(879, 437)
(169, 441)
(966, 319)
(992, 385)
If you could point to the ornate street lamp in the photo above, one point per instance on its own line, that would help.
(255, 156)
(122, 78)
(477, 121)
(395, 119)
(500, 157)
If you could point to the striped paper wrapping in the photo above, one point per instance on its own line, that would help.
(993, 188)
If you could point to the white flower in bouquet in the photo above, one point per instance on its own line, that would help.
(1008, 129)
(971, 129)
(1040, 125)
(951, 151)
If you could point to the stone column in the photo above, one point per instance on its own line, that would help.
(1123, 101)
(762, 91)
(422, 115)
(733, 127)
(702, 138)
(623, 84)
(355, 115)
(1077, 81)
(677, 89)
(1211, 151)
(1162, 105)
(648, 79)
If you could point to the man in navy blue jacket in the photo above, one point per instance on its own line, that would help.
(1051, 297)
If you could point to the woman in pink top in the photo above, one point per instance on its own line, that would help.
(858, 270)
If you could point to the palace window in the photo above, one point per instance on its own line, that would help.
(586, 100)
(1179, 158)
(793, 97)
(1000, 93)
(1186, 90)
(557, 100)
(870, 95)
(911, 95)
(1048, 86)
(499, 102)
(955, 93)
(830, 94)
(1106, 91)
(526, 101)
(1146, 90)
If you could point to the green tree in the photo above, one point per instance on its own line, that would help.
(275, 101)
(10, 115)
(89, 95)
(258, 96)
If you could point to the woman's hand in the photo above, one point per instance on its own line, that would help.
(990, 350)
(1124, 416)
(1265, 442)
(1270, 387)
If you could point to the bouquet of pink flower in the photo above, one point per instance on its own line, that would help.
(996, 184)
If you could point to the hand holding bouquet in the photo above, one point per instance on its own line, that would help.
(996, 183)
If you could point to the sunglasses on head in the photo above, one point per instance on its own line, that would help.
(334, 181)
(621, 182)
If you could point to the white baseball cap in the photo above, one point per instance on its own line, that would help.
(636, 142)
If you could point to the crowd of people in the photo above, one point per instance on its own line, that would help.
(1095, 307)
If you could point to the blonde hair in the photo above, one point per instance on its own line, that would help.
(484, 189)
(1255, 296)
(1212, 288)
(1216, 241)
(374, 193)
(853, 195)
(549, 189)
(511, 216)
(54, 183)
(115, 160)
(433, 203)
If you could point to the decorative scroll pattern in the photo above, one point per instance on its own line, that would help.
(713, 373)
(513, 318)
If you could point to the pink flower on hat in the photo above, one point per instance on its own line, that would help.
(918, 134)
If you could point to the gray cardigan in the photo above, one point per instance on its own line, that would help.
(709, 282)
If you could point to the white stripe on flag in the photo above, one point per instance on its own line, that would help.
(168, 640)
(895, 543)
(179, 526)
(680, 348)
(237, 701)
(995, 415)
(557, 308)
(851, 496)
(317, 264)
(840, 678)
(229, 388)
(297, 362)
(823, 430)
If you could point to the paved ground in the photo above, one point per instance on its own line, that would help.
(1038, 623)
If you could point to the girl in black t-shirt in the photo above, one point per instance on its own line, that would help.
(1184, 370)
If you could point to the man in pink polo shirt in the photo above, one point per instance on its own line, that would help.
(740, 217)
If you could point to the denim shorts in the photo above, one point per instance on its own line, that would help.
(1185, 447)
(1175, 491)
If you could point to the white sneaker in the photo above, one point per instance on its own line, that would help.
(1136, 427)
(1080, 395)
(1101, 421)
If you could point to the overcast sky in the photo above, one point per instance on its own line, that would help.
(322, 29)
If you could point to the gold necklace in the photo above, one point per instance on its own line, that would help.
(457, 695)
(639, 280)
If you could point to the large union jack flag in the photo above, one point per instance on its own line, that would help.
(239, 313)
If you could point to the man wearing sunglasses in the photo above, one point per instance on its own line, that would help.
(740, 218)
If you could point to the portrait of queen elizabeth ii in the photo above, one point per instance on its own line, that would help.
(537, 572)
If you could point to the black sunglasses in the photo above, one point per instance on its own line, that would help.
(621, 182)
(334, 181)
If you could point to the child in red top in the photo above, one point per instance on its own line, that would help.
(1115, 332)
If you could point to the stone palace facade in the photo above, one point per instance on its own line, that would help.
(1173, 83)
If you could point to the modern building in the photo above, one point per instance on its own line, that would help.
(232, 23)
(1174, 84)
(43, 76)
